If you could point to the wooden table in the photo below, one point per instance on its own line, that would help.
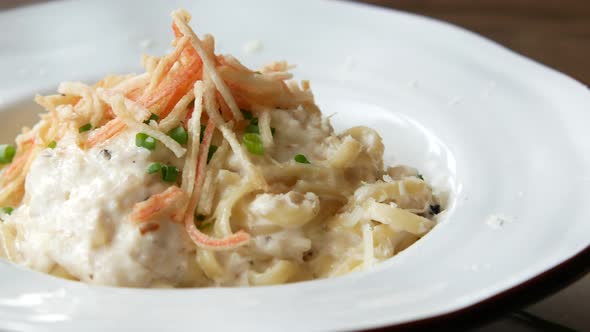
(557, 34)
(553, 32)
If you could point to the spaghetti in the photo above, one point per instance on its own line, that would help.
(202, 172)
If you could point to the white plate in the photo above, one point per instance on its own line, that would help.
(508, 136)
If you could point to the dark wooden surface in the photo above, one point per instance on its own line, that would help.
(553, 32)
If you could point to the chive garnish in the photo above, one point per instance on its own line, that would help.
(143, 140)
(169, 173)
(7, 153)
(301, 159)
(179, 134)
(85, 128)
(253, 143)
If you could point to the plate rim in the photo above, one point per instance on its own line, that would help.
(521, 295)
(526, 292)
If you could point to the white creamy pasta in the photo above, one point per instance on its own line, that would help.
(202, 172)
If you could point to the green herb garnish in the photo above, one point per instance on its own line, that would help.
(252, 128)
(179, 134)
(247, 115)
(143, 140)
(7, 153)
(154, 168)
(85, 128)
(169, 173)
(202, 133)
(212, 150)
(301, 159)
(153, 117)
(7, 210)
(253, 143)
(52, 145)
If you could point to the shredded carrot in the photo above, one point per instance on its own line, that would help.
(134, 94)
(182, 89)
(144, 211)
(206, 242)
(147, 228)
(200, 239)
(110, 129)
(189, 115)
(174, 87)
(178, 82)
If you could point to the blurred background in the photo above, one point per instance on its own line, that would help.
(553, 32)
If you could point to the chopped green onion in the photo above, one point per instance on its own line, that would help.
(85, 128)
(253, 129)
(7, 210)
(52, 145)
(202, 132)
(247, 115)
(179, 134)
(253, 143)
(301, 159)
(258, 72)
(7, 153)
(153, 117)
(154, 168)
(254, 121)
(212, 150)
(204, 226)
(169, 173)
(145, 141)
(419, 176)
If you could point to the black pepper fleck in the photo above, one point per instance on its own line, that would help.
(106, 154)
(435, 209)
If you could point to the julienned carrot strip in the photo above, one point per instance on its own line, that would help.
(135, 94)
(189, 115)
(177, 32)
(110, 129)
(200, 239)
(181, 90)
(144, 211)
(206, 242)
(174, 87)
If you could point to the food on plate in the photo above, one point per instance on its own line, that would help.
(202, 172)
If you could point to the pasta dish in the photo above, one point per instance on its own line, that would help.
(202, 172)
